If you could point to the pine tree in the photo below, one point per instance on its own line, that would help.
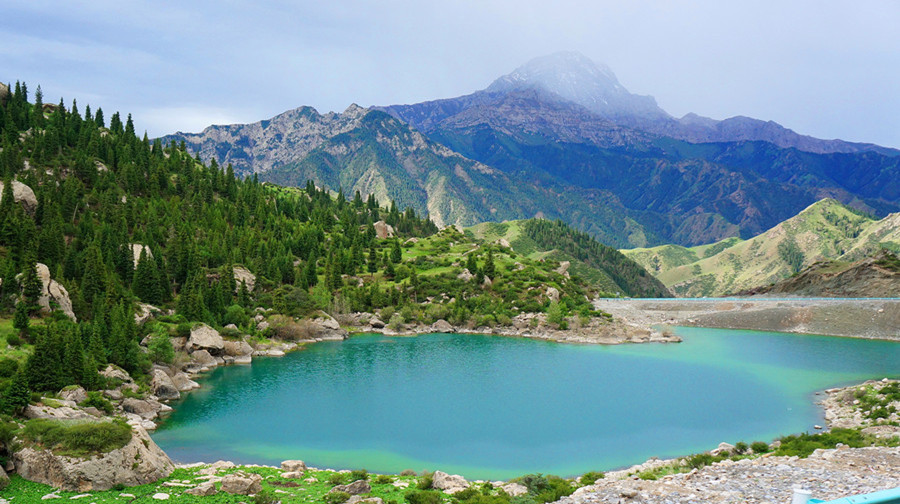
(32, 288)
(17, 395)
(73, 359)
(489, 270)
(146, 280)
(43, 365)
(373, 260)
(396, 253)
(92, 282)
(20, 319)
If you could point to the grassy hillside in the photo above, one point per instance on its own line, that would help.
(826, 230)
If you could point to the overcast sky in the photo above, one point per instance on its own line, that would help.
(824, 68)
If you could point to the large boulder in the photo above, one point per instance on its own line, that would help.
(293, 466)
(137, 249)
(4, 479)
(75, 394)
(238, 348)
(325, 327)
(442, 326)
(143, 408)
(162, 385)
(383, 230)
(137, 463)
(514, 489)
(183, 382)
(23, 195)
(203, 490)
(241, 483)
(355, 488)
(52, 293)
(553, 294)
(205, 338)
(60, 413)
(449, 483)
(204, 359)
(242, 274)
(116, 373)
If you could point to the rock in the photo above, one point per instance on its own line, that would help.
(449, 483)
(115, 372)
(204, 359)
(487, 283)
(242, 274)
(241, 483)
(161, 496)
(292, 475)
(137, 463)
(503, 243)
(4, 479)
(163, 386)
(325, 327)
(514, 489)
(61, 413)
(52, 292)
(722, 448)
(564, 268)
(143, 408)
(144, 312)
(376, 322)
(466, 275)
(293, 466)
(442, 326)
(22, 194)
(75, 395)
(4, 93)
(205, 338)
(215, 467)
(243, 359)
(203, 489)
(383, 230)
(136, 250)
(237, 348)
(552, 294)
(183, 383)
(356, 499)
(262, 326)
(355, 488)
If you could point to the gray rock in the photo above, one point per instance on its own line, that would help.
(514, 489)
(61, 413)
(241, 483)
(22, 194)
(113, 371)
(355, 488)
(449, 483)
(183, 383)
(552, 294)
(162, 386)
(4, 479)
(293, 466)
(144, 312)
(383, 230)
(157, 496)
(205, 338)
(242, 274)
(75, 395)
(262, 326)
(52, 292)
(442, 326)
(356, 499)
(137, 463)
(376, 322)
(203, 490)
(237, 348)
(466, 275)
(143, 408)
(204, 359)
(137, 249)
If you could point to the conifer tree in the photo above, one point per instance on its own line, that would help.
(17, 395)
(396, 253)
(146, 280)
(92, 282)
(489, 270)
(373, 260)
(21, 320)
(31, 287)
(43, 368)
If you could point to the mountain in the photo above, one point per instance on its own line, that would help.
(874, 277)
(827, 230)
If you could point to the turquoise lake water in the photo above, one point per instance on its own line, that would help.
(495, 407)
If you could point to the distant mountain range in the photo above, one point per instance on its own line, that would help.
(560, 137)
(825, 231)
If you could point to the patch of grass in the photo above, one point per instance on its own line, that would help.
(76, 438)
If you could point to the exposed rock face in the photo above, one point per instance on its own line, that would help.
(203, 490)
(52, 292)
(241, 483)
(144, 312)
(137, 463)
(242, 274)
(238, 348)
(204, 359)
(4, 479)
(293, 466)
(449, 483)
(162, 385)
(466, 275)
(355, 488)
(61, 413)
(183, 382)
(75, 395)
(325, 327)
(4, 93)
(552, 294)
(206, 338)
(137, 249)
(384, 230)
(114, 372)
(22, 194)
(145, 409)
(442, 326)
(514, 489)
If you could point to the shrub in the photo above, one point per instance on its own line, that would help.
(13, 340)
(759, 447)
(8, 367)
(183, 330)
(95, 399)
(407, 472)
(160, 348)
(236, 315)
(396, 322)
(359, 474)
(699, 460)
(423, 497)
(426, 482)
(78, 438)
(336, 497)
(804, 444)
(266, 497)
(336, 479)
(383, 479)
(589, 478)
(740, 448)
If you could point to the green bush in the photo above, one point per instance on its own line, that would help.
(78, 438)
(359, 474)
(740, 448)
(8, 367)
(336, 497)
(700, 460)
(426, 482)
(267, 497)
(13, 340)
(423, 497)
(759, 447)
(383, 479)
(546, 488)
(589, 478)
(183, 330)
(160, 348)
(407, 472)
(803, 445)
(95, 399)
(336, 479)
(236, 315)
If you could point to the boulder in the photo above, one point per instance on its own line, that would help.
(442, 326)
(504, 243)
(722, 448)
(22, 194)
(356, 499)
(355, 488)
(215, 467)
(137, 463)
(564, 268)
(144, 312)
(262, 326)
(325, 327)
(242, 274)
(203, 489)
(183, 382)
(487, 283)
(115, 372)
(552, 294)
(143, 408)
(61, 413)
(466, 275)
(242, 483)
(52, 292)
(449, 483)
(75, 395)
(293, 466)
(162, 385)
(137, 249)
(205, 338)
(204, 359)
(376, 322)
(514, 489)
(4, 479)
(383, 230)
(238, 348)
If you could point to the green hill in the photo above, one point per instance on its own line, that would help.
(826, 230)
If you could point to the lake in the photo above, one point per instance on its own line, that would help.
(496, 407)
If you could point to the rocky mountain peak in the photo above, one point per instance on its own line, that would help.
(578, 79)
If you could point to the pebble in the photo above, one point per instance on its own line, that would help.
(161, 496)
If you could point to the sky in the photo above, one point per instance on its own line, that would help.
(830, 69)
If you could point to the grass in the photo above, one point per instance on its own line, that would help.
(19, 353)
